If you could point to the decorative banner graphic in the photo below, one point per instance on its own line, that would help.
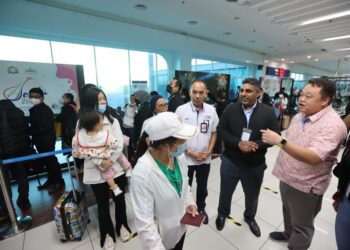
(17, 78)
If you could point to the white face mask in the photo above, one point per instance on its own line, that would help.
(34, 101)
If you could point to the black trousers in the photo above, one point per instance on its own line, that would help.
(180, 244)
(102, 194)
(19, 173)
(54, 174)
(202, 174)
(251, 179)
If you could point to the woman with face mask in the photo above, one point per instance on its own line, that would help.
(95, 98)
(160, 192)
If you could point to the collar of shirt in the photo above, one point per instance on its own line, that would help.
(249, 111)
(316, 116)
(194, 108)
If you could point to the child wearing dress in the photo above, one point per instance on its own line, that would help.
(91, 141)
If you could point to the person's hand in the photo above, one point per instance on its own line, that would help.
(192, 209)
(270, 137)
(204, 155)
(248, 146)
(107, 163)
(195, 155)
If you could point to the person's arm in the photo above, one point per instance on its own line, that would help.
(298, 152)
(116, 132)
(143, 206)
(346, 120)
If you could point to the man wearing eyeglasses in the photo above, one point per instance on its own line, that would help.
(303, 166)
(199, 150)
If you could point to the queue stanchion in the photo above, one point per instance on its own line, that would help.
(21, 223)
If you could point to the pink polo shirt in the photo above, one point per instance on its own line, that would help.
(323, 134)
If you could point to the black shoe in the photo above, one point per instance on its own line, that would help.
(56, 187)
(23, 204)
(46, 185)
(279, 236)
(220, 222)
(206, 219)
(254, 227)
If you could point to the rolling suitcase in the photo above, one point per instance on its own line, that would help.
(71, 213)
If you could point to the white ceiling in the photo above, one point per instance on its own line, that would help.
(268, 27)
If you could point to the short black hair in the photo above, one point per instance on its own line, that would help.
(327, 86)
(69, 96)
(37, 91)
(89, 118)
(178, 83)
(153, 93)
(252, 81)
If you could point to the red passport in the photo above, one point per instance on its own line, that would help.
(193, 221)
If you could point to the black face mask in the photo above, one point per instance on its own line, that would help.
(168, 88)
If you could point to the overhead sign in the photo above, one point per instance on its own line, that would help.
(281, 72)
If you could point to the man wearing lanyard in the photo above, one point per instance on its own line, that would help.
(244, 156)
(199, 150)
(305, 162)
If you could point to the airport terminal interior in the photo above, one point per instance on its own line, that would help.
(124, 47)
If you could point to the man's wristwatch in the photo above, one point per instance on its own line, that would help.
(282, 143)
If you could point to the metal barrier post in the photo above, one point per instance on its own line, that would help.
(18, 224)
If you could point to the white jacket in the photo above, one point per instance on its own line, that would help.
(91, 174)
(157, 206)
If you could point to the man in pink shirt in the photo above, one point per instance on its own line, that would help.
(304, 164)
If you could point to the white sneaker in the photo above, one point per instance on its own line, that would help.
(109, 244)
(117, 191)
(124, 234)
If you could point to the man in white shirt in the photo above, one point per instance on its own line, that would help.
(199, 150)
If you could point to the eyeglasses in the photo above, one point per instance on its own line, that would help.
(163, 106)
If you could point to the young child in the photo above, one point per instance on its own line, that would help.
(93, 142)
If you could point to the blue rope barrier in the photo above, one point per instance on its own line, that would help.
(35, 156)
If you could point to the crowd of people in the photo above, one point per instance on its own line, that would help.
(171, 142)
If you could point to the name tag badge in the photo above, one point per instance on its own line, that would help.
(246, 134)
(204, 127)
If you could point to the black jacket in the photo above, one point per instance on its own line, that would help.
(142, 114)
(68, 119)
(14, 139)
(342, 171)
(42, 126)
(230, 128)
(175, 101)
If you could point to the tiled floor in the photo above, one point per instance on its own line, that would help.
(269, 217)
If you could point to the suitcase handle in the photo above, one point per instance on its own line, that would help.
(71, 178)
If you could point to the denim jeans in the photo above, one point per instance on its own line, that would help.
(342, 225)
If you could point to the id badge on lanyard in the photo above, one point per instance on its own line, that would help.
(246, 134)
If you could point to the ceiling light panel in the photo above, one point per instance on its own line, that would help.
(326, 17)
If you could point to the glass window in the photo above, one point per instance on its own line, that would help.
(162, 76)
(69, 53)
(24, 49)
(140, 70)
(112, 67)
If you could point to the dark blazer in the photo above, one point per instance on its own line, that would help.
(230, 128)
(68, 119)
(175, 101)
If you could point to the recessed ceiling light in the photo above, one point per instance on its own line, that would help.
(327, 17)
(251, 41)
(247, 61)
(291, 61)
(266, 61)
(227, 33)
(335, 38)
(192, 22)
(344, 49)
(308, 57)
(140, 7)
(316, 59)
(236, 18)
(347, 56)
(282, 59)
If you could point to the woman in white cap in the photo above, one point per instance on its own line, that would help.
(160, 192)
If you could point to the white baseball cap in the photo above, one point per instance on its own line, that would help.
(169, 124)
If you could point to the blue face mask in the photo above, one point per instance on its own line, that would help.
(102, 108)
(180, 150)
